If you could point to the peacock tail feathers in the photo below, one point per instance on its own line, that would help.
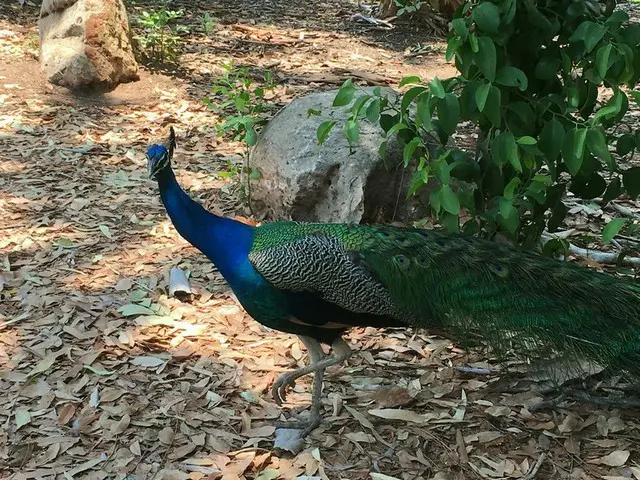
(514, 300)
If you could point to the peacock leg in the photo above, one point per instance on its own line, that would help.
(319, 364)
(316, 354)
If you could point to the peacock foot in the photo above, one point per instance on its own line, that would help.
(307, 426)
(279, 388)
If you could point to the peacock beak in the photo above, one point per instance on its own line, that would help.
(151, 168)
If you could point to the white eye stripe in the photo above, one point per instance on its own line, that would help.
(164, 161)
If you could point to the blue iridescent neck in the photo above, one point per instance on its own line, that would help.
(224, 241)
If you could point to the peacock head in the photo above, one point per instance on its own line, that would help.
(159, 156)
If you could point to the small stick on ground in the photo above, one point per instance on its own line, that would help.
(531, 474)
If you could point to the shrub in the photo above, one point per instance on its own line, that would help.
(529, 82)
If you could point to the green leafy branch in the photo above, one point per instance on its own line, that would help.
(161, 42)
(528, 84)
(242, 106)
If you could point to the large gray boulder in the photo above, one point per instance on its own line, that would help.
(86, 44)
(301, 180)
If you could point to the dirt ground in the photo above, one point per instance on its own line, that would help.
(102, 375)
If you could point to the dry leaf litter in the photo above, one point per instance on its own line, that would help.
(102, 375)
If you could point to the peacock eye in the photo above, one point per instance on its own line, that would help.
(423, 261)
(500, 270)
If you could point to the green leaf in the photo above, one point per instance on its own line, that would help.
(505, 149)
(526, 140)
(345, 94)
(460, 27)
(487, 17)
(481, 95)
(396, 128)
(409, 149)
(612, 228)
(473, 42)
(602, 59)
(105, 231)
(449, 113)
(442, 169)
(414, 79)
(64, 243)
(409, 96)
(324, 129)
(588, 187)
(358, 104)
(23, 417)
(509, 190)
(512, 77)
(631, 181)
(100, 371)
(597, 146)
(373, 110)
(352, 131)
(449, 200)
(382, 150)
(269, 474)
(314, 112)
(590, 33)
(573, 150)
(493, 107)
(486, 57)
(423, 112)
(509, 10)
(254, 174)
(132, 309)
(614, 190)
(251, 137)
(420, 178)
(547, 68)
(551, 139)
(509, 217)
(450, 222)
(625, 144)
(452, 48)
(434, 199)
(437, 88)
(611, 108)
(535, 18)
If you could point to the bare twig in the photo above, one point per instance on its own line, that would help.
(531, 474)
(462, 448)
(627, 212)
(627, 238)
(17, 319)
(476, 371)
(609, 258)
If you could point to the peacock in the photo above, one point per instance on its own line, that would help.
(318, 280)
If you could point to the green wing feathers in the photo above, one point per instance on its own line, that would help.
(510, 299)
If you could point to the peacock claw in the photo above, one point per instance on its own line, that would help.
(307, 426)
(279, 388)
